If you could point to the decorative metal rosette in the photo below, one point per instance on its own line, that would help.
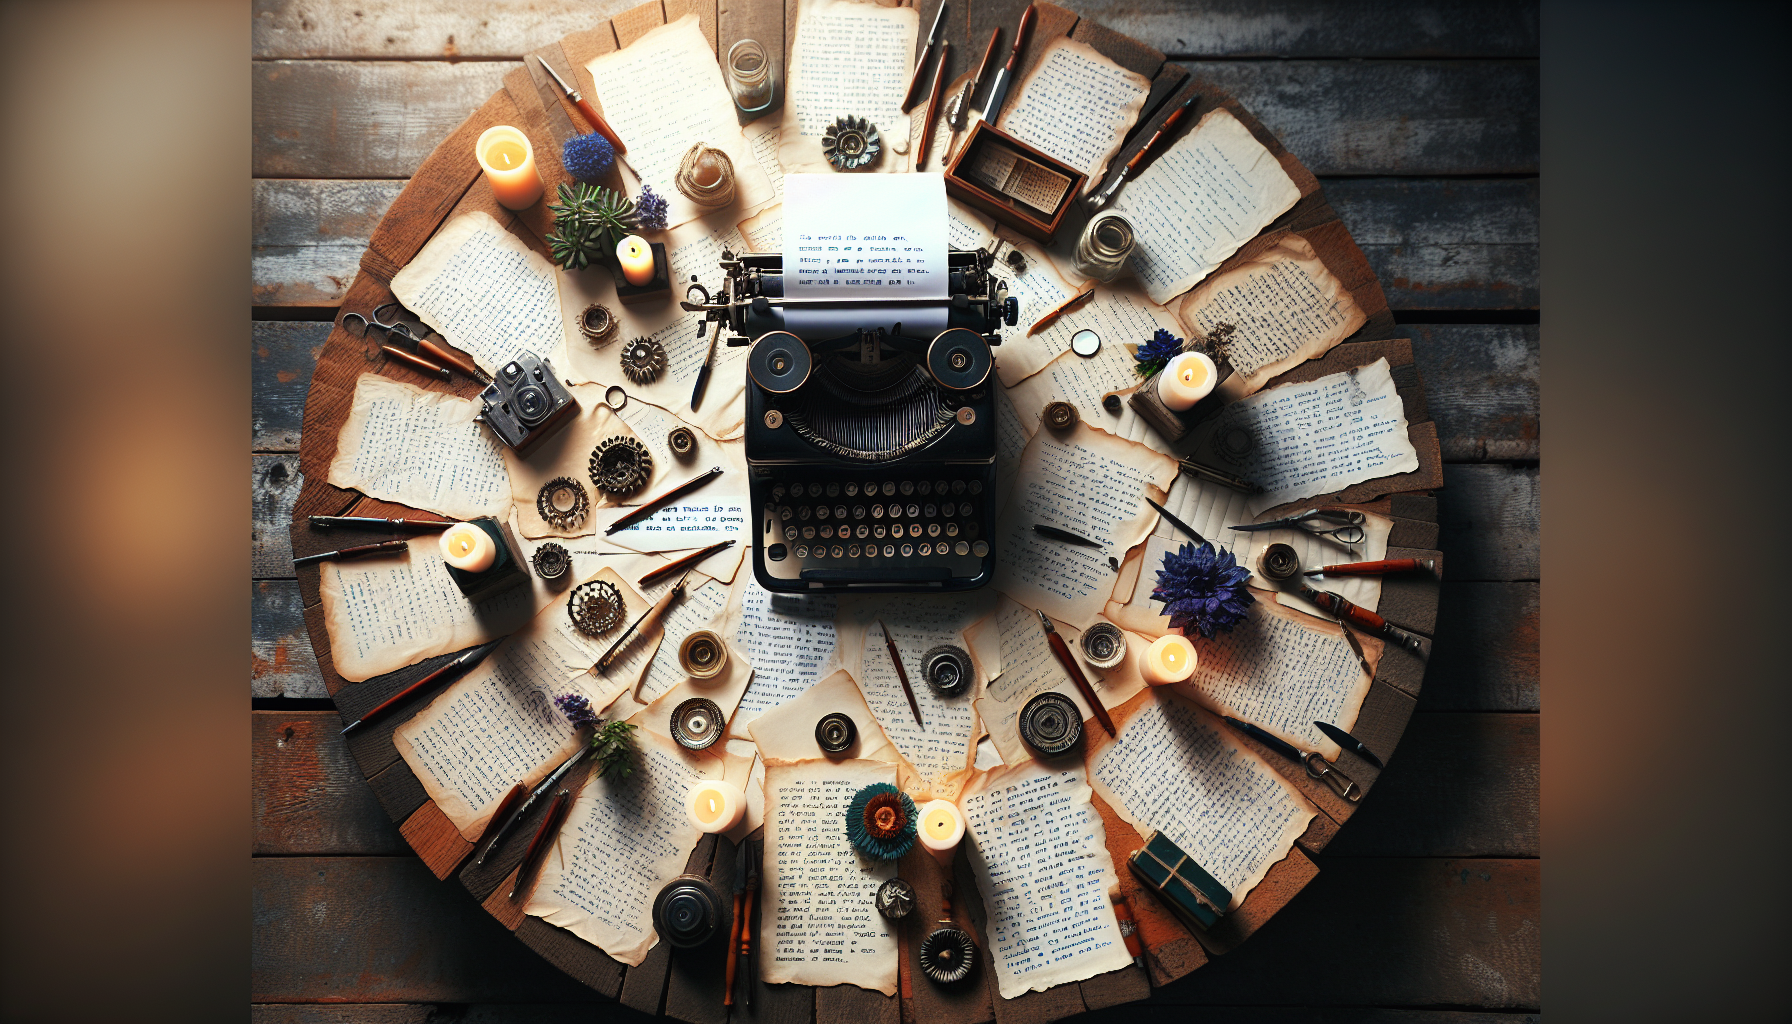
(880, 822)
(595, 607)
(551, 561)
(598, 325)
(895, 899)
(947, 956)
(562, 503)
(851, 143)
(620, 465)
(1051, 723)
(697, 723)
(643, 360)
(682, 441)
(947, 670)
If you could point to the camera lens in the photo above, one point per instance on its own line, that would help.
(532, 404)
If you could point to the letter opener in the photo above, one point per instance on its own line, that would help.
(441, 675)
(544, 838)
(1177, 523)
(379, 523)
(654, 504)
(896, 659)
(1339, 782)
(998, 93)
(961, 107)
(1106, 195)
(1076, 673)
(1349, 742)
(913, 95)
(598, 124)
(933, 105)
(357, 551)
(495, 835)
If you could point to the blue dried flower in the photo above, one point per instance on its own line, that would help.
(576, 709)
(1203, 589)
(1152, 355)
(588, 157)
(650, 210)
(881, 821)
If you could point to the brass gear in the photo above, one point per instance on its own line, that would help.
(549, 509)
(595, 607)
(620, 465)
(643, 360)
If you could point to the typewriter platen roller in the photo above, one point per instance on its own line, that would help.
(870, 449)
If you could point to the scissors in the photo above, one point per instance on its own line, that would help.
(1341, 525)
(413, 335)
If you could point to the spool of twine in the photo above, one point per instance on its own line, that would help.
(1280, 563)
(716, 194)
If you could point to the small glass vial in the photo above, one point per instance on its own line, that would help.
(1102, 250)
(749, 76)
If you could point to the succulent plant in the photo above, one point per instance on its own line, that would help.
(588, 222)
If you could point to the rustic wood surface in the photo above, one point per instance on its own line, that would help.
(1418, 116)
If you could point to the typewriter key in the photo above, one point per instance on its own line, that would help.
(1051, 724)
(835, 733)
(687, 911)
(779, 362)
(959, 359)
(697, 723)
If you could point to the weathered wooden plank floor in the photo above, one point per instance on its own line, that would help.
(1419, 116)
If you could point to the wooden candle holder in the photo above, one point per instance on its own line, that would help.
(1173, 425)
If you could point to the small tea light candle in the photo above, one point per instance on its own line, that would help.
(636, 257)
(468, 548)
(1169, 659)
(716, 806)
(509, 165)
(1187, 379)
(942, 828)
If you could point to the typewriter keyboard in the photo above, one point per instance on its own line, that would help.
(885, 530)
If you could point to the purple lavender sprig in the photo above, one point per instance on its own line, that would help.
(611, 742)
(650, 210)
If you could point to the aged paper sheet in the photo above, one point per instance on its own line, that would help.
(1120, 314)
(762, 138)
(662, 93)
(788, 638)
(1076, 105)
(704, 606)
(820, 925)
(484, 291)
(1085, 383)
(1212, 191)
(1175, 769)
(498, 725)
(419, 448)
(1301, 440)
(384, 613)
(1039, 853)
(1287, 306)
(568, 454)
(1011, 439)
(965, 228)
(1029, 668)
(788, 732)
(848, 58)
(1283, 671)
(1212, 509)
(693, 248)
(939, 751)
(1092, 484)
(623, 840)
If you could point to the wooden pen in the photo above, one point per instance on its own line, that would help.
(933, 105)
(683, 563)
(439, 676)
(1063, 307)
(1381, 568)
(1062, 651)
(416, 361)
(544, 838)
(355, 552)
(902, 674)
(913, 95)
(1132, 166)
(654, 504)
(651, 615)
(598, 124)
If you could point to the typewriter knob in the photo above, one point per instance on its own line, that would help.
(779, 362)
(959, 359)
(1011, 311)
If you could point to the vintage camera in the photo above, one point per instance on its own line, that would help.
(525, 404)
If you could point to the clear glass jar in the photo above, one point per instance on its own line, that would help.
(749, 76)
(1106, 242)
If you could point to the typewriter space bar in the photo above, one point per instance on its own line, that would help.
(893, 574)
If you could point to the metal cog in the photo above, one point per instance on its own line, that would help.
(620, 465)
(595, 607)
(551, 561)
(550, 511)
(851, 143)
(643, 360)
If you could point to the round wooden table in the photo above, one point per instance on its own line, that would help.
(449, 183)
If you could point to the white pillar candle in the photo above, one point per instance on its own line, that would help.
(1187, 379)
(715, 806)
(1170, 659)
(636, 257)
(941, 829)
(468, 548)
(509, 164)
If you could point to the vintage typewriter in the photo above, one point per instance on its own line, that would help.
(871, 427)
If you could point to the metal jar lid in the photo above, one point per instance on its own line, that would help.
(947, 670)
(835, 733)
(1103, 644)
(687, 911)
(1051, 724)
(697, 723)
(703, 654)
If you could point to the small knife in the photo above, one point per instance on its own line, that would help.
(1280, 746)
(961, 107)
(601, 126)
(1349, 742)
(1131, 167)
(913, 95)
(998, 93)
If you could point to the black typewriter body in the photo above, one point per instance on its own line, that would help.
(871, 454)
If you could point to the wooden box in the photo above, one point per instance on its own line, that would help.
(1027, 171)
